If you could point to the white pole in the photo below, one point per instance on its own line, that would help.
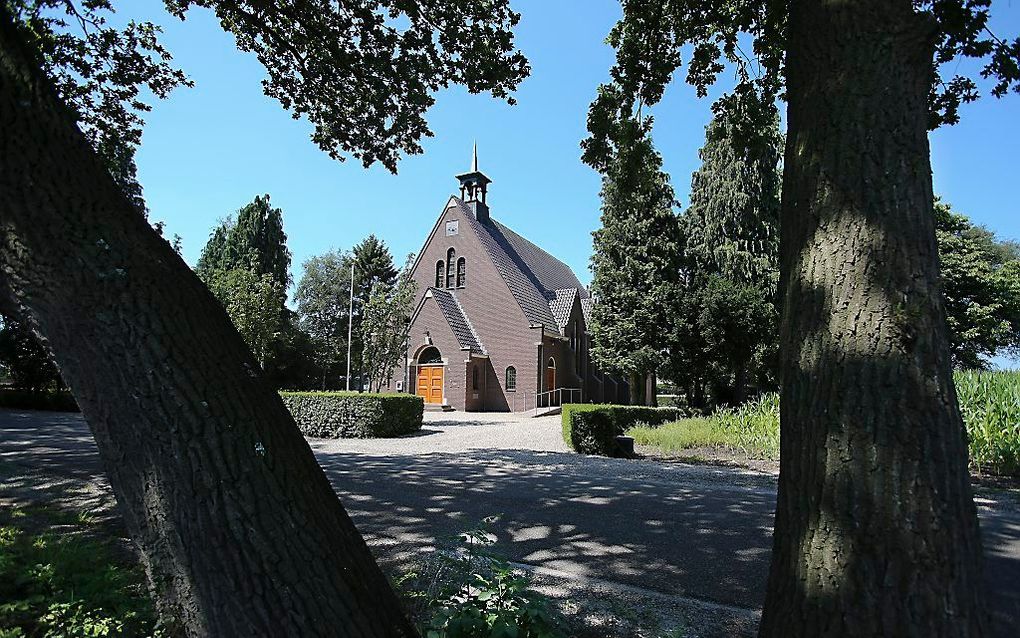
(350, 327)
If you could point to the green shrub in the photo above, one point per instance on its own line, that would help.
(990, 403)
(469, 591)
(353, 415)
(593, 428)
(28, 400)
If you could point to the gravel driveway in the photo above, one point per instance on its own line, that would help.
(460, 432)
(658, 544)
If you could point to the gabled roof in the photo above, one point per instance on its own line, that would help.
(459, 323)
(561, 303)
(586, 305)
(535, 278)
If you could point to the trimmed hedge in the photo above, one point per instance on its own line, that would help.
(353, 415)
(26, 400)
(593, 428)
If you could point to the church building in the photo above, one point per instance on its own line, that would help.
(499, 323)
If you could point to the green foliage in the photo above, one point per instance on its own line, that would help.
(24, 360)
(475, 593)
(384, 325)
(323, 298)
(652, 39)
(981, 282)
(254, 304)
(593, 428)
(100, 73)
(731, 228)
(636, 256)
(363, 82)
(255, 241)
(353, 415)
(54, 401)
(725, 318)
(68, 585)
(990, 403)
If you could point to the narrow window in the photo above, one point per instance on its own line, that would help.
(440, 274)
(461, 272)
(451, 263)
(474, 377)
(511, 379)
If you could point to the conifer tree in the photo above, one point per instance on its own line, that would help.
(731, 246)
(635, 261)
(732, 222)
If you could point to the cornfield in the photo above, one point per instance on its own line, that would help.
(990, 403)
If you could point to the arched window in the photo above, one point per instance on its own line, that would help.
(511, 379)
(451, 263)
(474, 377)
(440, 274)
(461, 272)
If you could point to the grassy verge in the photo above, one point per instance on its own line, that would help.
(989, 401)
(753, 428)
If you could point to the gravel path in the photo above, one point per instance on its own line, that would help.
(460, 432)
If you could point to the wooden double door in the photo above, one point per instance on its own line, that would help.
(430, 384)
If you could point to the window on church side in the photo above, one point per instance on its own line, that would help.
(474, 377)
(451, 263)
(461, 272)
(511, 379)
(440, 274)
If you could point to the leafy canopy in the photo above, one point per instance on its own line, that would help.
(652, 35)
(981, 283)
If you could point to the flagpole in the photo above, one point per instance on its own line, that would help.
(350, 327)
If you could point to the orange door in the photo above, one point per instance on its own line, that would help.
(430, 384)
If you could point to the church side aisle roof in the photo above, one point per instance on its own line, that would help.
(459, 323)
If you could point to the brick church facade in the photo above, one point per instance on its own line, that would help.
(499, 324)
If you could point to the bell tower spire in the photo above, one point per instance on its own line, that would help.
(474, 186)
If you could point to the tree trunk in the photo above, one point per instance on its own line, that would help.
(876, 532)
(240, 532)
(740, 384)
(650, 398)
(637, 388)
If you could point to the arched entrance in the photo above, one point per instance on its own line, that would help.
(430, 375)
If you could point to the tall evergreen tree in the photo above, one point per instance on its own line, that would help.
(876, 532)
(373, 267)
(239, 529)
(731, 227)
(731, 247)
(635, 261)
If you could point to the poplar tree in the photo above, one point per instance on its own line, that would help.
(636, 252)
(876, 533)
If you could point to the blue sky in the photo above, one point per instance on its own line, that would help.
(209, 150)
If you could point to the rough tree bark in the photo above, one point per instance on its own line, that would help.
(238, 527)
(876, 531)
